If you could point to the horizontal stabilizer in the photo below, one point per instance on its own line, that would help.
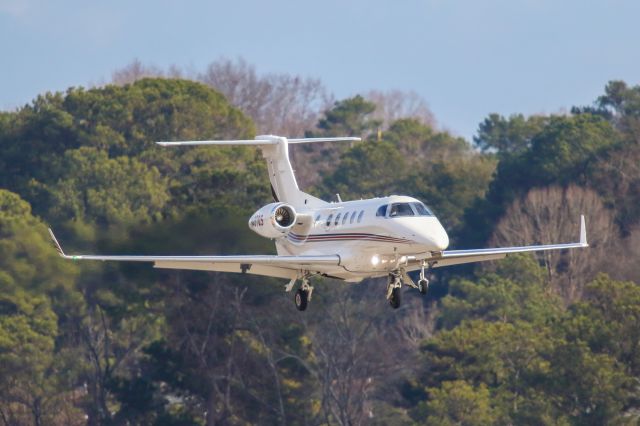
(259, 140)
(308, 140)
(237, 142)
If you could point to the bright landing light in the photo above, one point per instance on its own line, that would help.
(375, 260)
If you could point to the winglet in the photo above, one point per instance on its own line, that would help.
(57, 244)
(583, 232)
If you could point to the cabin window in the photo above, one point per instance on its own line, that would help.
(344, 219)
(360, 216)
(401, 209)
(382, 211)
(353, 216)
(337, 219)
(422, 210)
(318, 218)
(329, 219)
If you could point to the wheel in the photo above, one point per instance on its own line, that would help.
(394, 300)
(423, 286)
(301, 299)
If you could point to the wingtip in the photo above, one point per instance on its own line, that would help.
(56, 243)
(583, 232)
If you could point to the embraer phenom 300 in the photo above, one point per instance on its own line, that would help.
(347, 240)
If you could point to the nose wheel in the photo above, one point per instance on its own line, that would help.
(423, 282)
(423, 286)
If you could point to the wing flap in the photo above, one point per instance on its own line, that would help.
(269, 265)
(255, 269)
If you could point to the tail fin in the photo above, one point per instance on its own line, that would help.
(275, 149)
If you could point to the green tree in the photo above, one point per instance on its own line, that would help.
(623, 102)
(608, 320)
(590, 388)
(507, 136)
(28, 330)
(120, 121)
(28, 256)
(107, 191)
(516, 291)
(34, 385)
(421, 145)
(459, 403)
(367, 170)
(349, 117)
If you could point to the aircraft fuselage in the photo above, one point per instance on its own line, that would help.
(372, 236)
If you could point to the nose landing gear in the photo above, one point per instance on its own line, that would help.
(400, 276)
(423, 282)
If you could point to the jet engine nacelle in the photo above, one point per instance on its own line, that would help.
(273, 220)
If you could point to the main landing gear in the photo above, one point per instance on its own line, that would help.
(399, 277)
(303, 294)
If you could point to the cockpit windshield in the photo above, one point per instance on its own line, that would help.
(422, 210)
(401, 209)
(404, 209)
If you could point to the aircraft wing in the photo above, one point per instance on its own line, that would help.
(267, 265)
(457, 257)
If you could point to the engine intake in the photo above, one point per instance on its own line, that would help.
(273, 220)
(285, 216)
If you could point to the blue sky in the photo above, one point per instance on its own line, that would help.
(467, 58)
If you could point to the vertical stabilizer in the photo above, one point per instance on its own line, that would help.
(281, 176)
(275, 150)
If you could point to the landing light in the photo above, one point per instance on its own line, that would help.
(375, 260)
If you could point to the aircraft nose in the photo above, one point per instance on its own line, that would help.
(440, 240)
(430, 234)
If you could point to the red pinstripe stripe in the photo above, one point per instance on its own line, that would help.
(347, 237)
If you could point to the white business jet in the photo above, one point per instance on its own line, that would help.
(347, 240)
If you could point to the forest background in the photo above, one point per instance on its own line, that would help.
(549, 339)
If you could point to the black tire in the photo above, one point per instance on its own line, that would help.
(394, 300)
(423, 286)
(301, 299)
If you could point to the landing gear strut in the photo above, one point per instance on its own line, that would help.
(423, 282)
(399, 277)
(303, 294)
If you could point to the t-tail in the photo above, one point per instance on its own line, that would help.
(275, 149)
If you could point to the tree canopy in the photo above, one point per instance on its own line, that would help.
(527, 340)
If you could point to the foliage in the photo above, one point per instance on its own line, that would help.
(32, 285)
(125, 344)
(140, 195)
(510, 136)
(349, 117)
(539, 364)
(458, 403)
